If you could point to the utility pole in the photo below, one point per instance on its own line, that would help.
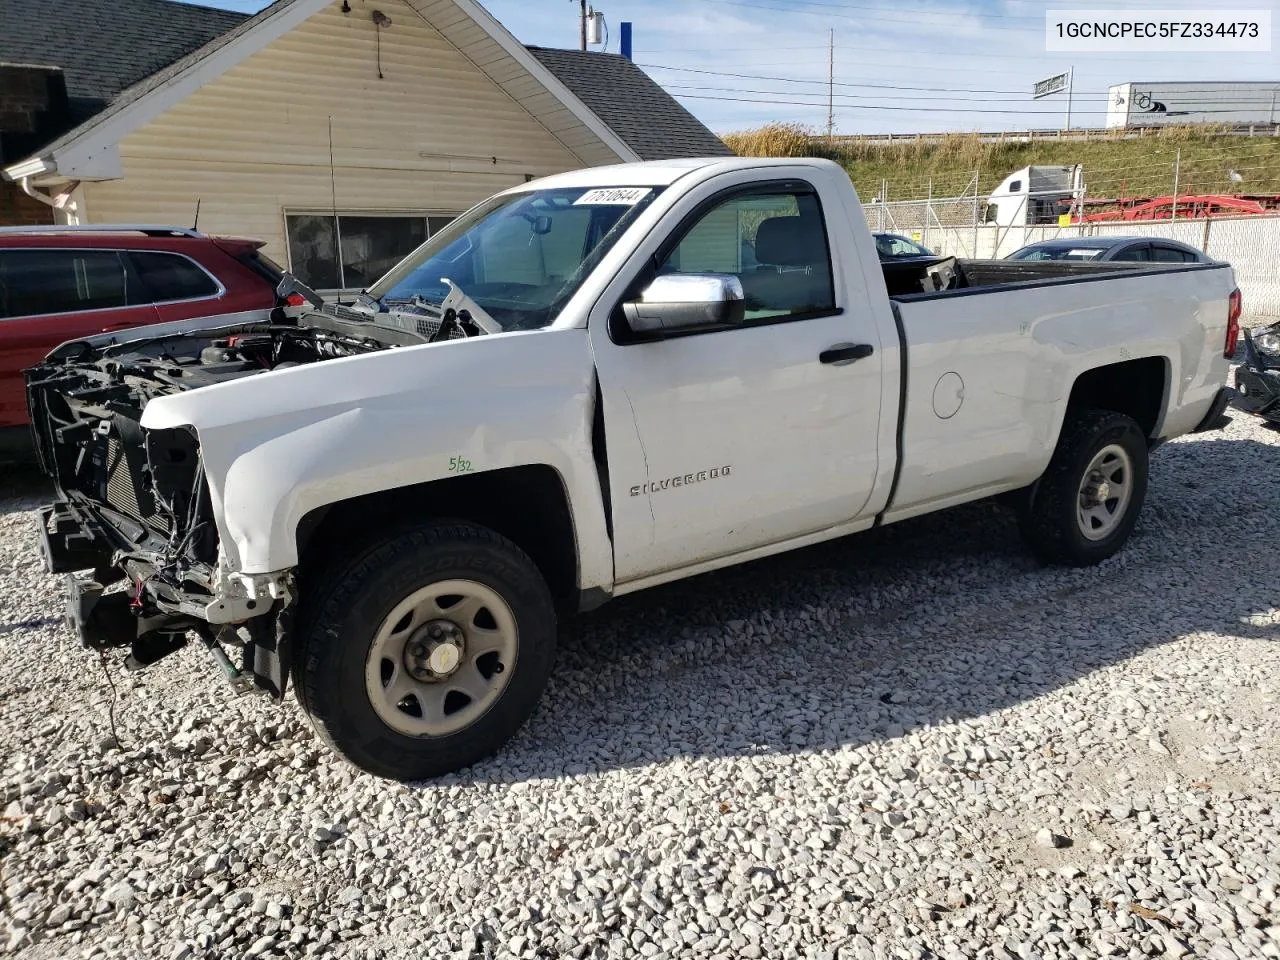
(977, 182)
(582, 25)
(1071, 76)
(1177, 168)
(831, 66)
(928, 211)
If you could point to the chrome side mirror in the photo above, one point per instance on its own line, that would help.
(684, 302)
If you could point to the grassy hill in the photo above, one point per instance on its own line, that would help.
(1113, 166)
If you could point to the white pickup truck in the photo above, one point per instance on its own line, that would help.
(587, 385)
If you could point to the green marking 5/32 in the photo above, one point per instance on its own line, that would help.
(459, 465)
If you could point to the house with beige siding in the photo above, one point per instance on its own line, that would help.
(341, 132)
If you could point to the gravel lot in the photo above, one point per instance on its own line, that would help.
(914, 743)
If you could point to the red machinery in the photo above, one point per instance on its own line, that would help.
(1188, 207)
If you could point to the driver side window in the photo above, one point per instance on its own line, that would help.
(775, 243)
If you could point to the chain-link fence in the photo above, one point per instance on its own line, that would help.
(952, 226)
(923, 216)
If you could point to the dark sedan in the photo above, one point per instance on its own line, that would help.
(896, 248)
(1142, 249)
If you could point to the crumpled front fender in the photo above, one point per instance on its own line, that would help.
(278, 445)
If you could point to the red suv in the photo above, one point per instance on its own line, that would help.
(60, 283)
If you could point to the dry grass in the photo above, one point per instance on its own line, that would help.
(773, 140)
(1113, 166)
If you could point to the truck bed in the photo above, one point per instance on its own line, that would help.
(987, 378)
(949, 276)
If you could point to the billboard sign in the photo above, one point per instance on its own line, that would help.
(1049, 85)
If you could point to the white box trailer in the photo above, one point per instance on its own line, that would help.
(1139, 104)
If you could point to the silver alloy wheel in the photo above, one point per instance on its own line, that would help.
(1105, 491)
(441, 658)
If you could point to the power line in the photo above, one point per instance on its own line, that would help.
(881, 9)
(1099, 57)
(841, 96)
(862, 18)
(1029, 110)
(838, 83)
(932, 11)
(1020, 96)
(894, 86)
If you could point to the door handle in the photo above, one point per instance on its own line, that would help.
(842, 353)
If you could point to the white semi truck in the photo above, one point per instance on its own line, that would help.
(1035, 196)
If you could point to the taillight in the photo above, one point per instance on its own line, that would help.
(295, 300)
(1233, 324)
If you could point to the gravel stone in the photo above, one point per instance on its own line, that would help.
(1047, 838)
(120, 895)
(871, 750)
(260, 946)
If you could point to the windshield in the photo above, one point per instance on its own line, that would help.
(519, 257)
(892, 245)
(1058, 253)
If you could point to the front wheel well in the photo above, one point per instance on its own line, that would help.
(1136, 388)
(528, 505)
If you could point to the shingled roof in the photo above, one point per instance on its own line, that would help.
(106, 46)
(634, 106)
(126, 50)
(163, 69)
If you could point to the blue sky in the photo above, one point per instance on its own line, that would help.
(967, 65)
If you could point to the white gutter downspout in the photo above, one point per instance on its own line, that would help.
(60, 201)
(35, 194)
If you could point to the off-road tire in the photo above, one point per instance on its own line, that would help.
(1048, 522)
(341, 613)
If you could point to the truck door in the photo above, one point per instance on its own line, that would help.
(736, 438)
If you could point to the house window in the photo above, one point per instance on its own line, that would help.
(353, 250)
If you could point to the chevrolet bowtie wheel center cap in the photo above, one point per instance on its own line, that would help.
(435, 650)
(444, 659)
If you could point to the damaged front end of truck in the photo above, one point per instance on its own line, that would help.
(1258, 376)
(133, 524)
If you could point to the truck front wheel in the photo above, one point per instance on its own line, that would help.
(426, 652)
(1088, 500)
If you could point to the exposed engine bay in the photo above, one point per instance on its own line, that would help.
(133, 504)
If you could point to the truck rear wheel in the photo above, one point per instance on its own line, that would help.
(426, 652)
(1088, 499)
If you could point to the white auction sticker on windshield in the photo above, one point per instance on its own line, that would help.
(621, 196)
